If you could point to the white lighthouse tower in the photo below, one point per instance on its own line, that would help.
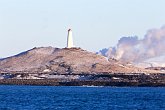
(69, 39)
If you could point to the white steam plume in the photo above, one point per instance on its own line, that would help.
(138, 50)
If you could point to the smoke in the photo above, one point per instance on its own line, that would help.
(134, 49)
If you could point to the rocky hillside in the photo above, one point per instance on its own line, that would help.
(64, 61)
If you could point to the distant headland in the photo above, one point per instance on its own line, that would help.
(73, 66)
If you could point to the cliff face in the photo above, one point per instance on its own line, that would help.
(63, 61)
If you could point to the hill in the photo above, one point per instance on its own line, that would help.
(64, 61)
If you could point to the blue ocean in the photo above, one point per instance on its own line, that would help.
(81, 98)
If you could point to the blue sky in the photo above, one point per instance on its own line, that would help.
(96, 24)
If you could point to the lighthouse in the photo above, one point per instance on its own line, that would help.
(69, 39)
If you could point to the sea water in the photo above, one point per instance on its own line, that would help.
(81, 98)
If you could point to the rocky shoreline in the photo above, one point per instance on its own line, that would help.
(119, 80)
